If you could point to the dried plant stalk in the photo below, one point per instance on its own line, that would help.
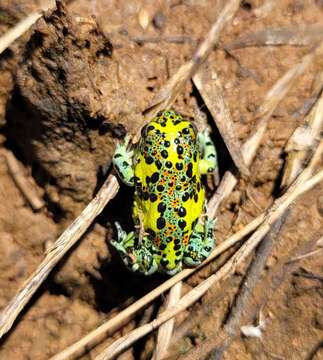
(167, 95)
(165, 331)
(119, 319)
(291, 35)
(25, 187)
(243, 297)
(319, 245)
(256, 267)
(273, 98)
(110, 188)
(302, 142)
(209, 86)
(13, 34)
(278, 91)
(24, 25)
(69, 237)
(301, 185)
(165, 98)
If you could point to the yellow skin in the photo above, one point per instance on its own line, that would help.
(166, 169)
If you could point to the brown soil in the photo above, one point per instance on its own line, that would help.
(78, 81)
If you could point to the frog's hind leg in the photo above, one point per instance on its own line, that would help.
(201, 243)
(123, 162)
(208, 162)
(137, 258)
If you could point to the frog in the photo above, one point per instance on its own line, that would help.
(169, 210)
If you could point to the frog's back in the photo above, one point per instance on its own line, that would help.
(169, 193)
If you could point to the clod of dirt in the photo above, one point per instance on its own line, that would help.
(68, 83)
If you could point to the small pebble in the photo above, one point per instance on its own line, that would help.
(159, 20)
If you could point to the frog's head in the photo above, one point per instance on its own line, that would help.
(168, 128)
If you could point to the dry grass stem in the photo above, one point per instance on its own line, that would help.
(302, 142)
(319, 244)
(165, 330)
(257, 265)
(242, 301)
(124, 342)
(110, 188)
(209, 86)
(24, 25)
(179, 39)
(24, 185)
(167, 95)
(292, 35)
(301, 185)
(305, 256)
(72, 234)
(273, 97)
(69, 237)
(119, 319)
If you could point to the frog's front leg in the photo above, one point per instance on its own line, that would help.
(201, 243)
(137, 257)
(123, 162)
(208, 162)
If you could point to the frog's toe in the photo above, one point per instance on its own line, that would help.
(174, 271)
(201, 244)
(120, 232)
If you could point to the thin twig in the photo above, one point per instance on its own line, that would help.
(114, 323)
(175, 39)
(209, 86)
(111, 187)
(22, 26)
(301, 185)
(309, 254)
(23, 184)
(164, 100)
(292, 35)
(308, 275)
(165, 331)
(226, 186)
(302, 142)
(242, 301)
(273, 97)
(167, 95)
(69, 237)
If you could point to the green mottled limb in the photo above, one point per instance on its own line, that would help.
(123, 162)
(137, 258)
(208, 162)
(201, 243)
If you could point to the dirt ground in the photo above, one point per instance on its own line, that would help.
(77, 82)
